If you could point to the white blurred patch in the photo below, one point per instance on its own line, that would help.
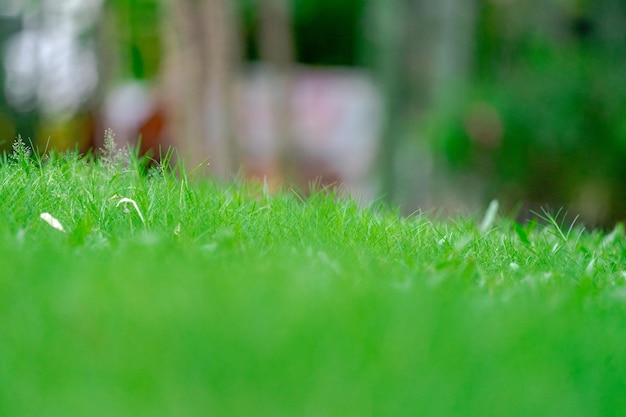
(125, 107)
(47, 64)
(336, 117)
(50, 70)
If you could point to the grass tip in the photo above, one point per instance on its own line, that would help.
(490, 216)
(125, 200)
(48, 218)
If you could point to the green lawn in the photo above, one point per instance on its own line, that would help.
(209, 300)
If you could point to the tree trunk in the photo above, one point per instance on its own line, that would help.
(424, 50)
(276, 49)
(202, 54)
(222, 66)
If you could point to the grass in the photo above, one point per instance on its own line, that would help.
(221, 300)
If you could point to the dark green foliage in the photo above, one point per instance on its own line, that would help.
(544, 120)
(326, 32)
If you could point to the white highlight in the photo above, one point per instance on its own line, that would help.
(134, 203)
(490, 216)
(48, 218)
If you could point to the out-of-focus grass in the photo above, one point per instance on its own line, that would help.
(226, 301)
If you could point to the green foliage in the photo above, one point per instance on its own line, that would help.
(226, 300)
(543, 122)
(135, 27)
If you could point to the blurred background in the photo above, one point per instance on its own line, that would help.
(427, 104)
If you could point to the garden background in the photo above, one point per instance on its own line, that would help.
(428, 104)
